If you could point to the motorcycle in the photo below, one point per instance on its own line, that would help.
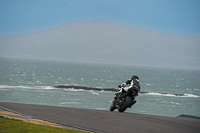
(124, 100)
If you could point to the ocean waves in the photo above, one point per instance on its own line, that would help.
(94, 91)
(26, 87)
(76, 88)
(171, 95)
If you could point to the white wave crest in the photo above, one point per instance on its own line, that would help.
(190, 95)
(172, 95)
(95, 93)
(12, 87)
(70, 103)
(72, 89)
(100, 108)
(48, 87)
(175, 103)
(26, 87)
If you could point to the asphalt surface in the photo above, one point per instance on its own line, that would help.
(106, 121)
(10, 114)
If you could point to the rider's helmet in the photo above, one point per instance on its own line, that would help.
(135, 77)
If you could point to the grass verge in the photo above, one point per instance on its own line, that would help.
(8, 125)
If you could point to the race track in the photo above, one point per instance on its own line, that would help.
(106, 121)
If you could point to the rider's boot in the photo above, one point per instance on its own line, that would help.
(117, 106)
(133, 102)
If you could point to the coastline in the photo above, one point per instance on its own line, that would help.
(104, 89)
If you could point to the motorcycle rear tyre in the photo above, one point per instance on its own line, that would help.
(126, 104)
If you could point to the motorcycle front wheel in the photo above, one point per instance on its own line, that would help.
(112, 107)
(126, 104)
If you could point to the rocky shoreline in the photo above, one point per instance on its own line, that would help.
(86, 88)
(105, 89)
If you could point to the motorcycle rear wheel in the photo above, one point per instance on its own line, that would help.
(126, 104)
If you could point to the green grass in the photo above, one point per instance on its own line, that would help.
(8, 125)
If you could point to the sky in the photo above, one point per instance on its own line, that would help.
(170, 16)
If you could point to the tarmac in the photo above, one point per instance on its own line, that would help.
(100, 121)
(10, 114)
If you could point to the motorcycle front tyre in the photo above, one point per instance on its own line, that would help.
(126, 104)
(112, 107)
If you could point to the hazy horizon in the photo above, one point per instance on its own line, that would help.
(134, 32)
(105, 42)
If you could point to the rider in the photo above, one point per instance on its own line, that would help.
(134, 86)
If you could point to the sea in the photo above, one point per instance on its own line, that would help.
(32, 81)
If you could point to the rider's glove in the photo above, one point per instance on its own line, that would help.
(122, 85)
